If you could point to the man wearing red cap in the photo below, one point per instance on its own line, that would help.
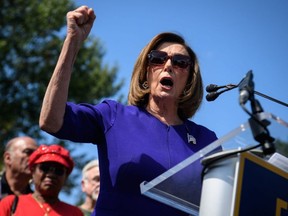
(50, 167)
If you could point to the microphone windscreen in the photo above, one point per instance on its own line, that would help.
(212, 96)
(211, 88)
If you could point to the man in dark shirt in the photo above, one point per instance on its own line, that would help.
(16, 175)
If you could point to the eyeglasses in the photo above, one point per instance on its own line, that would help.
(95, 179)
(28, 151)
(157, 57)
(46, 168)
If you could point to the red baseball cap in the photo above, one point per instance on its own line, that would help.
(52, 153)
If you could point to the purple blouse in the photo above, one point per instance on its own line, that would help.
(133, 146)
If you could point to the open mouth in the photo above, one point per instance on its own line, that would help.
(166, 81)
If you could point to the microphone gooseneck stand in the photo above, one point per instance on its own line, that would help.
(257, 124)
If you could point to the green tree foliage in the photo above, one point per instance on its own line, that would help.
(31, 36)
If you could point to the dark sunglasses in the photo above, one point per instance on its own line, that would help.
(157, 57)
(46, 168)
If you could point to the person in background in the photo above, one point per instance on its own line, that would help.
(90, 186)
(50, 167)
(16, 176)
(136, 142)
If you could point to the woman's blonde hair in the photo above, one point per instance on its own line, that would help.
(190, 100)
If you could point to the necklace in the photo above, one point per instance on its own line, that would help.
(45, 209)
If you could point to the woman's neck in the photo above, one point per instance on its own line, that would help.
(165, 113)
(45, 199)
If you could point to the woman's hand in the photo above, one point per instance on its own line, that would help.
(79, 23)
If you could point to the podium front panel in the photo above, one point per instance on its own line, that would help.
(262, 188)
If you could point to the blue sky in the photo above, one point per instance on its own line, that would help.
(229, 37)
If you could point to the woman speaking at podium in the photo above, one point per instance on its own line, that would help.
(139, 141)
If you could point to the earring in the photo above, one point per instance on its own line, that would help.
(145, 85)
(185, 92)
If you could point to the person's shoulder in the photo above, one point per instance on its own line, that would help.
(105, 103)
(202, 131)
(27, 196)
(84, 211)
(7, 201)
(8, 197)
(116, 105)
(111, 102)
(11, 198)
(198, 126)
(73, 210)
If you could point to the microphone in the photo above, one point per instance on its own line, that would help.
(212, 96)
(246, 88)
(246, 91)
(213, 88)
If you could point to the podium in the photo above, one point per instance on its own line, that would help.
(244, 185)
(233, 183)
